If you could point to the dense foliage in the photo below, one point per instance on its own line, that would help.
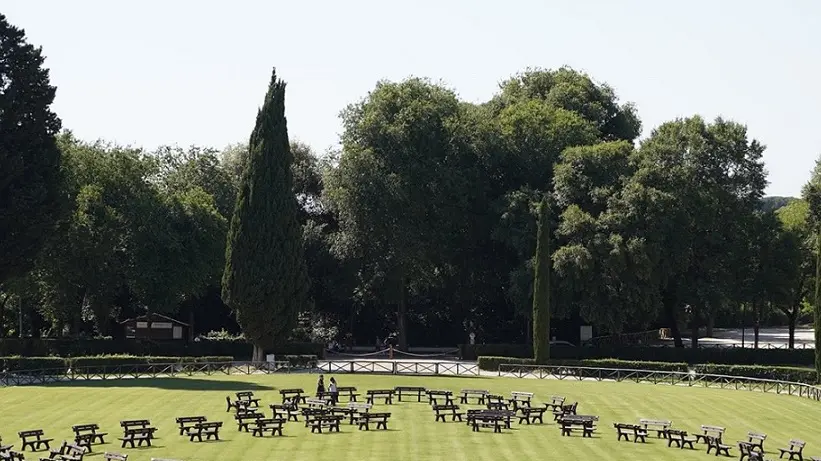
(265, 281)
(422, 226)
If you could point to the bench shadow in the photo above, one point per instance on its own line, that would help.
(184, 384)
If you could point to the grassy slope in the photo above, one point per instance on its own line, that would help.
(413, 435)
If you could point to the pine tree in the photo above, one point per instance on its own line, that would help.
(541, 288)
(265, 280)
(29, 157)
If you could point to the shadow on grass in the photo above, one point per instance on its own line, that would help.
(184, 384)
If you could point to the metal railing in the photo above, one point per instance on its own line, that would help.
(399, 367)
(674, 378)
(171, 370)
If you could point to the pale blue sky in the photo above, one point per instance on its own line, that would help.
(194, 72)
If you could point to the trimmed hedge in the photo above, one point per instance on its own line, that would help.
(86, 347)
(792, 374)
(734, 356)
(95, 364)
(17, 363)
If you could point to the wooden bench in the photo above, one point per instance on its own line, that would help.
(86, 435)
(34, 440)
(478, 394)
(795, 449)
(658, 425)
(565, 410)
(710, 431)
(435, 395)
(244, 419)
(584, 423)
(444, 410)
(486, 419)
(67, 452)
(294, 395)
(715, 443)
(139, 435)
(317, 403)
(531, 415)
(756, 439)
(365, 419)
(386, 394)
(349, 392)
(309, 414)
(625, 430)
(680, 438)
(11, 455)
(353, 410)
(108, 456)
(187, 422)
(288, 411)
(272, 425)
(748, 451)
(248, 396)
(208, 429)
(505, 416)
(329, 421)
(410, 390)
(556, 401)
(518, 398)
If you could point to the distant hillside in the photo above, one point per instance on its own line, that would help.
(773, 203)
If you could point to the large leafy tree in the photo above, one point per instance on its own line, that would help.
(812, 194)
(695, 187)
(398, 190)
(265, 280)
(29, 158)
(798, 244)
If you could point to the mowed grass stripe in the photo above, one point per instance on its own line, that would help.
(414, 435)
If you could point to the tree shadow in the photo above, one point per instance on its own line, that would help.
(183, 384)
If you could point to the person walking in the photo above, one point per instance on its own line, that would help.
(333, 391)
(320, 386)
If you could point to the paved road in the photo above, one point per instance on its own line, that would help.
(774, 337)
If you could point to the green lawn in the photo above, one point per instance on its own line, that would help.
(413, 434)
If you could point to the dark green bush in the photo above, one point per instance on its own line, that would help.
(791, 374)
(86, 347)
(16, 363)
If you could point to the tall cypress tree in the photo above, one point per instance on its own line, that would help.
(541, 288)
(817, 305)
(265, 280)
(29, 158)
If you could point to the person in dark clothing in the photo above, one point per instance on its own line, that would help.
(320, 386)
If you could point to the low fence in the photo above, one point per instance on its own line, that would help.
(171, 370)
(674, 378)
(399, 367)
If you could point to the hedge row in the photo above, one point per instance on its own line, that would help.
(792, 374)
(96, 364)
(736, 356)
(238, 349)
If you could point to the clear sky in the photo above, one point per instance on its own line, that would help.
(194, 72)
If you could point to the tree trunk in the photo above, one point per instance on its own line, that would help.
(756, 323)
(258, 354)
(401, 316)
(191, 323)
(670, 309)
(694, 329)
(792, 317)
(711, 321)
(3, 316)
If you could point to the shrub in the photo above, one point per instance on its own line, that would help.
(16, 363)
(791, 374)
